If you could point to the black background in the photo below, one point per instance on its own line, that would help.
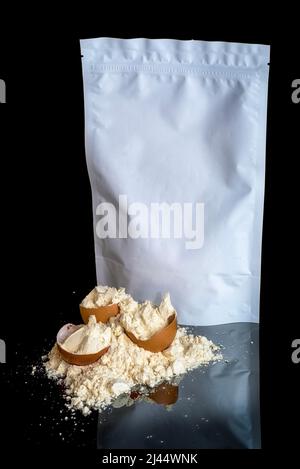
(47, 254)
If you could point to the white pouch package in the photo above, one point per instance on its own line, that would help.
(175, 144)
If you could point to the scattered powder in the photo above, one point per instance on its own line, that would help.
(126, 366)
(145, 319)
(103, 296)
(90, 338)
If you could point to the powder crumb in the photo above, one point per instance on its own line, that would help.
(169, 407)
(86, 410)
(98, 385)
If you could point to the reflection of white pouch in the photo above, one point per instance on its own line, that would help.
(175, 144)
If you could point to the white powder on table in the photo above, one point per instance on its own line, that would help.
(145, 319)
(126, 366)
(103, 296)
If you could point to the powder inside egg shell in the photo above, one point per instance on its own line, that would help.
(90, 338)
(126, 366)
(145, 319)
(103, 296)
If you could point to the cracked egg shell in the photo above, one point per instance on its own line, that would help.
(75, 358)
(160, 340)
(102, 313)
